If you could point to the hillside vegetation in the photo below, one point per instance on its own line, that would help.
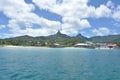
(59, 38)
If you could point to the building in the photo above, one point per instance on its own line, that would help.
(81, 45)
(107, 46)
(111, 45)
(56, 45)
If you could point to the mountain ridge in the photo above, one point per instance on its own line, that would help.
(60, 38)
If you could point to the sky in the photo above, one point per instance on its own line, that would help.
(70, 17)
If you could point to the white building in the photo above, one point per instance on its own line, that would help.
(83, 45)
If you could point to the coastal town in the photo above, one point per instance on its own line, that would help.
(91, 45)
(97, 45)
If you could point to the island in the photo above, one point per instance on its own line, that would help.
(60, 40)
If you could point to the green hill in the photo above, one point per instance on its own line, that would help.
(104, 38)
(62, 39)
(26, 40)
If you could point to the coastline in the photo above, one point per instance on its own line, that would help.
(12, 46)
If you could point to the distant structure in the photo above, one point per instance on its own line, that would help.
(107, 46)
(56, 45)
(81, 45)
(111, 45)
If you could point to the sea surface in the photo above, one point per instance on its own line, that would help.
(59, 64)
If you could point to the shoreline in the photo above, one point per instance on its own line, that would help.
(12, 46)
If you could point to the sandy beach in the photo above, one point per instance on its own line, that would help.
(12, 46)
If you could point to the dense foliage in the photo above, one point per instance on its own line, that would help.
(59, 38)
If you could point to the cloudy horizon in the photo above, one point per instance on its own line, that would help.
(70, 17)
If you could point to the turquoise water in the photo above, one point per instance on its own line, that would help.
(59, 64)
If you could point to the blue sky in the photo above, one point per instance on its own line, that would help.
(71, 17)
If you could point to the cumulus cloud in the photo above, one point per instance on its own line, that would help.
(75, 13)
(110, 4)
(15, 9)
(75, 8)
(45, 27)
(73, 25)
(115, 10)
(103, 11)
(2, 26)
(101, 31)
(72, 11)
(117, 24)
(116, 14)
(22, 19)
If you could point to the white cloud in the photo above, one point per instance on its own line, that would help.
(110, 4)
(115, 33)
(116, 16)
(72, 11)
(14, 8)
(103, 11)
(115, 11)
(75, 12)
(117, 24)
(75, 8)
(21, 15)
(73, 25)
(101, 31)
(2, 27)
(45, 28)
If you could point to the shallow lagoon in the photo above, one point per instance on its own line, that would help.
(59, 64)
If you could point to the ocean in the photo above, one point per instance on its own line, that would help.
(59, 64)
